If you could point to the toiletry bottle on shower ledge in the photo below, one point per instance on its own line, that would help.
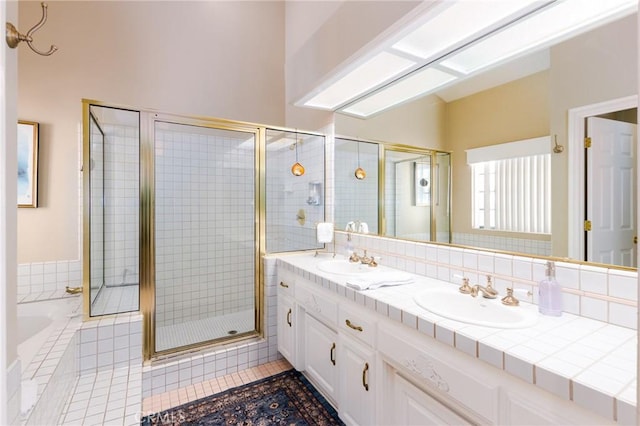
(550, 293)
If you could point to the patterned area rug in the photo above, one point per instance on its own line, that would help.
(284, 399)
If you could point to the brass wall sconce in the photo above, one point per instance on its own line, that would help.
(557, 148)
(14, 37)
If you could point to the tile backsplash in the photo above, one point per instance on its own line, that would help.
(595, 292)
(48, 277)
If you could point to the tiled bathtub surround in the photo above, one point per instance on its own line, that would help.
(604, 294)
(47, 280)
(589, 362)
(54, 370)
(13, 392)
(111, 342)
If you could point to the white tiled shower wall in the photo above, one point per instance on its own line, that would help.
(204, 229)
(358, 199)
(121, 204)
(288, 195)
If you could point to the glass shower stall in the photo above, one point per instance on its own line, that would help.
(176, 220)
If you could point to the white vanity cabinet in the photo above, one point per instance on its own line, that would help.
(356, 405)
(412, 406)
(320, 357)
(378, 371)
(319, 340)
(427, 382)
(287, 317)
(357, 361)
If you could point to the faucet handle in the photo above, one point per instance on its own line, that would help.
(354, 258)
(465, 288)
(489, 281)
(510, 299)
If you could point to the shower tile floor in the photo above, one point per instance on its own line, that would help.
(174, 398)
(203, 330)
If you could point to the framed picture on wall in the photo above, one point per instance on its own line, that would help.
(27, 164)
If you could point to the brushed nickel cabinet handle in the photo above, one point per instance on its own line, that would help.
(289, 317)
(332, 354)
(364, 376)
(282, 284)
(350, 325)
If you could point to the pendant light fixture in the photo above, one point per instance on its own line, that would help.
(297, 169)
(359, 173)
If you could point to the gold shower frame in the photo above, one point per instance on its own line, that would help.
(148, 118)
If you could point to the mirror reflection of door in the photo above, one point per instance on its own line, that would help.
(611, 189)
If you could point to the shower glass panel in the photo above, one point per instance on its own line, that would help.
(408, 195)
(114, 191)
(441, 196)
(205, 235)
(295, 204)
(96, 166)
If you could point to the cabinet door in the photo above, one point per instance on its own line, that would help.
(415, 407)
(287, 329)
(320, 356)
(356, 364)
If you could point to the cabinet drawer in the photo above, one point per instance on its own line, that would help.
(286, 283)
(357, 323)
(442, 371)
(316, 303)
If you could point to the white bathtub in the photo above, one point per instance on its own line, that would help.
(36, 322)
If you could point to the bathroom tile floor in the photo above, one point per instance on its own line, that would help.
(110, 397)
(113, 397)
(166, 400)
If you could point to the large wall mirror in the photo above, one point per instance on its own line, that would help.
(390, 190)
(549, 94)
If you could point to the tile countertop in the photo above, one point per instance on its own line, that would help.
(590, 362)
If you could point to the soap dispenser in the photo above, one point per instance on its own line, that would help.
(550, 293)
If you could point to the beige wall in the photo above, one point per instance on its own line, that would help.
(419, 123)
(511, 112)
(8, 190)
(220, 59)
(599, 66)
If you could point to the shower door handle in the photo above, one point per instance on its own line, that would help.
(289, 317)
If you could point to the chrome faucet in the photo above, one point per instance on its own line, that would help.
(488, 292)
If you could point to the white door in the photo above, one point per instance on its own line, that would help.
(611, 192)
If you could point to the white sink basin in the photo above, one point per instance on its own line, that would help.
(344, 267)
(450, 303)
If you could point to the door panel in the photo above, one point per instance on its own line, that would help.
(611, 192)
